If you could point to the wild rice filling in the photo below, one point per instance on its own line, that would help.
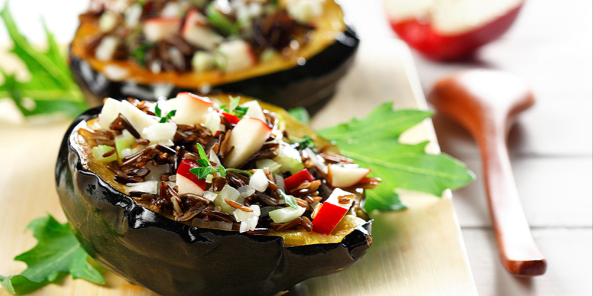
(194, 176)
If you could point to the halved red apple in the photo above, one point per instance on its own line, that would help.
(332, 211)
(157, 29)
(191, 109)
(448, 30)
(248, 136)
(344, 177)
(188, 182)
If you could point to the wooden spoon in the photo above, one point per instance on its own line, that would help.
(486, 103)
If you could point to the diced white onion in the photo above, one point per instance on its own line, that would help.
(246, 191)
(259, 181)
(115, 73)
(171, 9)
(107, 21)
(160, 133)
(209, 195)
(317, 160)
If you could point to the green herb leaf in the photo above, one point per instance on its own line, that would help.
(202, 172)
(202, 153)
(51, 87)
(157, 110)
(305, 142)
(301, 114)
(373, 142)
(56, 254)
(222, 171)
(234, 103)
(289, 200)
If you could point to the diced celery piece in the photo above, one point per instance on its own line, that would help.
(220, 21)
(272, 165)
(124, 141)
(289, 159)
(102, 149)
(202, 61)
(286, 214)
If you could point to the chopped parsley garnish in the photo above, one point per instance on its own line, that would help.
(158, 112)
(234, 108)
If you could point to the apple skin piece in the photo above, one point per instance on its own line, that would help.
(344, 177)
(439, 46)
(188, 182)
(191, 109)
(254, 110)
(196, 31)
(297, 179)
(331, 212)
(233, 119)
(248, 136)
(238, 54)
(157, 29)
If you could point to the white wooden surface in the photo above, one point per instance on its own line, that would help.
(551, 148)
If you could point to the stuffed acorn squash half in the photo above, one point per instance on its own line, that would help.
(286, 52)
(210, 196)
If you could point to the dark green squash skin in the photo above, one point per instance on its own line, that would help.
(172, 258)
(301, 85)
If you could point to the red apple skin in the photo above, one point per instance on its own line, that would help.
(328, 218)
(425, 40)
(297, 179)
(183, 170)
(233, 119)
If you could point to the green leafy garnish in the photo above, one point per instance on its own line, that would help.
(139, 54)
(51, 87)
(301, 114)
(289, 200)
(158, 113)
(373, 142)
(206, 167)
(305, 142)
(56, 254)
(234, 108)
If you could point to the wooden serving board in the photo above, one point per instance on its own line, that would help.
(415, 252)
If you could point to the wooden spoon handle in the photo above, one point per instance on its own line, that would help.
(517, 249)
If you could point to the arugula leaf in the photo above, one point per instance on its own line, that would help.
(57, 253)
(373, 142)
(51, 87)
(301, 114)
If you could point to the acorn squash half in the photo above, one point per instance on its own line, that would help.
(302, 79)
(173, 258)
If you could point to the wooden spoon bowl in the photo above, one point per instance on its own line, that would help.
(486, 103)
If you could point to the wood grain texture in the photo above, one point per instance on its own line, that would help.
(416, 252)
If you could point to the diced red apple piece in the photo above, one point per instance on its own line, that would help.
(191, 109)
(238, 56)
(332, 211)
(344, 177)
(196, 31)
(157, 29)
(233, 119)
(254, 110)
(188, 182)
(297, 179)
(248, 136)
(445, 30)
